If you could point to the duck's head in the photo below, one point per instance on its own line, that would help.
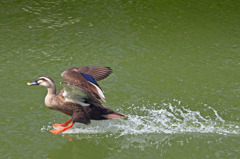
(43, 81)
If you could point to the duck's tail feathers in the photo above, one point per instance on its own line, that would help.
(114, 115)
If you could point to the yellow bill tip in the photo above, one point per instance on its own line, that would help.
(29, 84)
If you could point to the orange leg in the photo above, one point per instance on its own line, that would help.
(57, 131)
(62, 125)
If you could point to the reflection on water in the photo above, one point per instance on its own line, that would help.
(108, 145)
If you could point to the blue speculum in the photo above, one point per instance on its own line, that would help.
(90, 78)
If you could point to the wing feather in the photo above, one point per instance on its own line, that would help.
(97, 72)
(83, 82)
(75, 94)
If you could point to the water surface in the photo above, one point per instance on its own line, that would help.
(176, 76)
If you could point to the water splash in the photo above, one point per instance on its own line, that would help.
(165, 118)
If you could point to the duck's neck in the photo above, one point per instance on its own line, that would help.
(51, 93)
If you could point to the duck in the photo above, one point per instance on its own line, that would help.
(81, 96)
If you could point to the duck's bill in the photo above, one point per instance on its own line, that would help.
(32, 83)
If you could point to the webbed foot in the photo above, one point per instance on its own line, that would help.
(62, 125)
(57, 131)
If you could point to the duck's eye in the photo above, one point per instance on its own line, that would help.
(40, 81)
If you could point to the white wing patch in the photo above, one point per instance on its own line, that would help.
(100, 92)
(75, 94)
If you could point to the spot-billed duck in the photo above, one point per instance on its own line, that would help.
(80, 96)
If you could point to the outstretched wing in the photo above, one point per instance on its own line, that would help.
(85, 82)
(97, 72)
(75, 94)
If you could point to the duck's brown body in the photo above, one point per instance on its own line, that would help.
(80, 96)
(81, 114)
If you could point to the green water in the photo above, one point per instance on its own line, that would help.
(176, 76)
